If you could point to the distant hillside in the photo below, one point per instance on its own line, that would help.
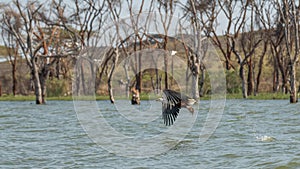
(23, 77)
(232, 76)
(3, 51)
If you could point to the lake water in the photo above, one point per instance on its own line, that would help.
(251, 134)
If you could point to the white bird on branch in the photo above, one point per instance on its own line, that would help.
(172, 102)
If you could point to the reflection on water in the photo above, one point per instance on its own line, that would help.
(252, 134)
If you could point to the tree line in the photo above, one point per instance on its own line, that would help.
(246, 34)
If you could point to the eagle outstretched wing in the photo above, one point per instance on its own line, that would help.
(171, 105)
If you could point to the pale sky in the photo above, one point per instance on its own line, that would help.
(125, 13)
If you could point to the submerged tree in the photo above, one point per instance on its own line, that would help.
(11, 44)
(289, 17)
(83, 20)
(40, 43)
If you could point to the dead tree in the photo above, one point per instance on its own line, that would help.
(249, 42)
(35, 42)
(289, 15)
(166, 10)
(12, 47)
(242, 61)
(84, 22)
(233, 23)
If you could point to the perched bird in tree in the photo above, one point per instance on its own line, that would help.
(172, 102)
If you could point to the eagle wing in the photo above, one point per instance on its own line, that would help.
(170, 106)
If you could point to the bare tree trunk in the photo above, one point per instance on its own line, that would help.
(195, 90)
(283, 74)
(242, 76)
(152, 84)
(260, 66)
(102, 69)
(277, 68)
(0, 88)
(166, 63)
(195, 81)
(43, 78)
(275, 77)
(127, 88)
(250, 78)
(14, 86)
(140, 71)
(109, 85)
(12, 49)
(290, 18)
(93, 78)
(33, 35)
(138, 75)
(77, 81)
(37, 85)
(98, 78)
(187, 77)
(168, 8)
(195, 73)
(284, 87)
(156, 86)
(294, 58)
(157, 79)
(57, 67)
(159, 84)
(242, 62)
(201, 83)
(82, 78)
(293, 90)
(110, 89)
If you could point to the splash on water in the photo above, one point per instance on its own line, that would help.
(265, 138)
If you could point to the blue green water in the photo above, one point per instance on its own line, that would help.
(251, 134)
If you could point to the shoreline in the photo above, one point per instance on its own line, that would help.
(261, 96)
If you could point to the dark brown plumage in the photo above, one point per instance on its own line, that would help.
(172, 102)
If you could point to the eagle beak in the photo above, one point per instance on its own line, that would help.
(159, 99)
(190, 102)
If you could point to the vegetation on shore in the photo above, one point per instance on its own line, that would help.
(261, 96)
(259, 52)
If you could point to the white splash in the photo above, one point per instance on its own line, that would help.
(265, 138)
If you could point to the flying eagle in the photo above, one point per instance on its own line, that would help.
(172, 101)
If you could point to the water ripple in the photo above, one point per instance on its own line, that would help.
(266, 135)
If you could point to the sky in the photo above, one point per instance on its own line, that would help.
(125, 13)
